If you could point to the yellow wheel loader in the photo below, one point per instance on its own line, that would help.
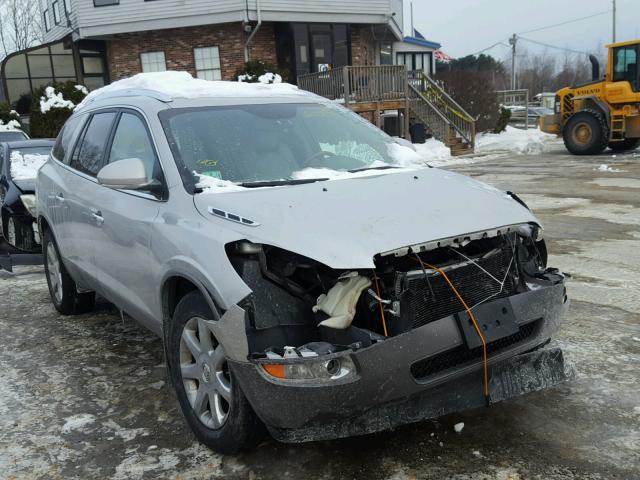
(602, 112)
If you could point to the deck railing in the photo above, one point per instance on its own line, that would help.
(358, 83)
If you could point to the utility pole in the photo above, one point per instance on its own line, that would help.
(614, 21)
(413, 32)
(512, 41)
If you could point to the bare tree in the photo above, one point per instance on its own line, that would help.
(20, 25)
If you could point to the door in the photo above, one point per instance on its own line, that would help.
(321, 53)
(73, 195)
(625, 66)
(122, 237)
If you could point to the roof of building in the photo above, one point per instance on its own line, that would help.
(418, 39)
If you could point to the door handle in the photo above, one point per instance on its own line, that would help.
(97, 216)
(60, 198)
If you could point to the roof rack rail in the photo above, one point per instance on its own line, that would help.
(133, 92)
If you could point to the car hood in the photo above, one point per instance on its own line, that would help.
(344, 223)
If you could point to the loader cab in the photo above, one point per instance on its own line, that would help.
(623, 64)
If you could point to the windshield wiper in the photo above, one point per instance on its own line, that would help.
(364, 169)
(277, 183)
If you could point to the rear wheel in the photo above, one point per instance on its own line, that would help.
(586, 133)
(626, 144)
(211, 400)
(62, 288)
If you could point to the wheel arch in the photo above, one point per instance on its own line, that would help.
(592, 102)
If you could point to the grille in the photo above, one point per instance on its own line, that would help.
(418, 306)
(462, 355)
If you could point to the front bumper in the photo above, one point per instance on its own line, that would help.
(387, 392)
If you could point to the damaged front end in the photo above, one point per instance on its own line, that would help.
(335, 353)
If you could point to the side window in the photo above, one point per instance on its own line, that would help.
(626, 65)
(89, 153)
(131, 140)
(65, 137)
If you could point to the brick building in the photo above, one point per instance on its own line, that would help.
(97, 41)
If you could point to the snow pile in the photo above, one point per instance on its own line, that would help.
(514, 140)
(77, 422)
(458, 427)
(82, 88)
(25, 167)
(183, 85)
(606, 168)
(54, 100)
(268, 78)
(9, 126)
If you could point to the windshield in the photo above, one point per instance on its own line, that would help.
(12, 136)
(273, 144)
(26, 161)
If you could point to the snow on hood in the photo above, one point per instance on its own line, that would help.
(183, 85)
(25, 167)
(404, 159)
(345, 222)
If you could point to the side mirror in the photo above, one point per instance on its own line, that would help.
(129, 173)
(404, 142)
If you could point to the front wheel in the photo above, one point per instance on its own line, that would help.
(586, 133)
(62, 288)
(211, 400)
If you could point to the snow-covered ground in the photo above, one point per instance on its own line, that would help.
(512, 140)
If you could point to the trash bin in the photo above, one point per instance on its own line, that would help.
(418, 133)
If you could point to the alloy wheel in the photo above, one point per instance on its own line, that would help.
(205, 373)
(54, 272)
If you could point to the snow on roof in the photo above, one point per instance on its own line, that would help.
(182, 85)
(26, 166)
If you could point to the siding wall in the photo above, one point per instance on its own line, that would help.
(141, 15)
(57, 31)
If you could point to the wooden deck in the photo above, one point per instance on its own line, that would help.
(376, 89)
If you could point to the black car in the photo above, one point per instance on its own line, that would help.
(19, 164)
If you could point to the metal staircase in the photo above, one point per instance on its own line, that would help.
(446, 120)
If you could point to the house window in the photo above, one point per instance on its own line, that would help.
(386, 57)
(47, 25)
(207, 63)
(153, 62)
(104, 3)
(415, 61)
(67, 8)
(56, 12)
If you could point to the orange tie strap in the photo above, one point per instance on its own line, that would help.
(473, 319)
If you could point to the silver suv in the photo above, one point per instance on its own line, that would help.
(302, 274)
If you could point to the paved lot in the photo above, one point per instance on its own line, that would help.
(87, 396)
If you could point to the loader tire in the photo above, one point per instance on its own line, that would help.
(623, 146)
(586, 133)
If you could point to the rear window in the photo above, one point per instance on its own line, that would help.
(65, 137)
(26, 161)
(12, 136)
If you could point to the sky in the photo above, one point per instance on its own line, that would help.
(465, 27)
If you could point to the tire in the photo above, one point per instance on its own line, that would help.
(62, 288)
(627, 144)
(586, 133)
(200, 375)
